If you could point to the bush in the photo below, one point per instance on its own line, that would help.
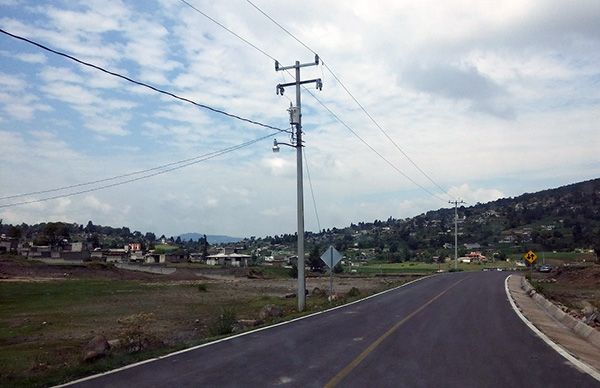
(293, 272)
(223, 324)
(202, 287)
(455, 270)
(353, 292)
(338, 268)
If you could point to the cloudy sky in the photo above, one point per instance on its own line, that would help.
(489, 99)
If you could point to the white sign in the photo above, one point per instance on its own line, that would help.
(331, 256)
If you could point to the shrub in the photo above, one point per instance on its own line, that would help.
(353, 292)
(202, 287)
(223, 324)
(539, 288)
(293, 272)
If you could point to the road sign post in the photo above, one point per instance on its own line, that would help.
(531, 257)
(331, 257)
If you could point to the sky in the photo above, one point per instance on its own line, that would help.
(488, 99)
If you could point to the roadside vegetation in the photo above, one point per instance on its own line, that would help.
(49, 313)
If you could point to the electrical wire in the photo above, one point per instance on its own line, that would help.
(206, 157)
(228, 30)
(319, 101)
(353, 98)
(312, 193)
(107, 179)
(139, 83)
(373, 149)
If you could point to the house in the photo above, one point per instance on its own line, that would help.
(476, 257)
(228, 259)
(36, 251)
(96, 255)
(271, 261)
(135, 247)
(9, 245)
(472, 246)
(154, 258)
(173, 257)
(137, 257)
(116, 255)
(196, 257)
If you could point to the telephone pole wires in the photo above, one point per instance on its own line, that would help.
(456, 202)
(296, 121)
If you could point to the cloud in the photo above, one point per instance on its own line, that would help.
(475, 195)
(16, 99)
(455, 83)
(95, 204)
(31, 58)
(487, 100)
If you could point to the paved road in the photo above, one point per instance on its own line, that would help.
(452, 330)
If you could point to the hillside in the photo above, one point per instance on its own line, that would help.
(564, 218)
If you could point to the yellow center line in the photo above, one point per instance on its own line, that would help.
(350, 367)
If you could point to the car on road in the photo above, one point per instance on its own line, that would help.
(545, 268)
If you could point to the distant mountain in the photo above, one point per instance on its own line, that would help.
(212, 239)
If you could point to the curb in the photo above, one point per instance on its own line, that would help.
(584, 331)
(582, 366)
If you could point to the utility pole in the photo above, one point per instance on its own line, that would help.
(456, 202)
(296, 121)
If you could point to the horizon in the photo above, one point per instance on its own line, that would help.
(306, 231)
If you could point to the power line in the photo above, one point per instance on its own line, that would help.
(373, 149)
(227, 29)
(139, 83)
(280, 26)
(208, 156)
(312, 193)
(107, 179)
(352, 96)
(319, 101)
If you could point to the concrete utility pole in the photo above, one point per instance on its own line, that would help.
(296, 121)
(456, 202)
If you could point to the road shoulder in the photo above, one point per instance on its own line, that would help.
(556, 332)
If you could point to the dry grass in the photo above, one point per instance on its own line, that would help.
(45, 325)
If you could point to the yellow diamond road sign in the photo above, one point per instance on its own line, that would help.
(530, 257)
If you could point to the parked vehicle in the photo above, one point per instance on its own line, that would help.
(545, 268)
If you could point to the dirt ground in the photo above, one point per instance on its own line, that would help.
(575, 287)
(17, 269)
(48, 313)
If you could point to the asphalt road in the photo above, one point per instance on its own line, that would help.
(452, 330)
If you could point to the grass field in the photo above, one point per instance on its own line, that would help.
(418, 267)
(556, 257)
(45, 324)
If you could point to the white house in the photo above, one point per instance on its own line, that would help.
(228, 259)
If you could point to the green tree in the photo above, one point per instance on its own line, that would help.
(204, 247)
(314, 260)
(15, 232)
(596, 248)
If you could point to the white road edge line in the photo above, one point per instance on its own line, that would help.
(583, 367)
(234, 336)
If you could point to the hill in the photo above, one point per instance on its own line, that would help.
(560, 219)
(564, 218)
(212, 239)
